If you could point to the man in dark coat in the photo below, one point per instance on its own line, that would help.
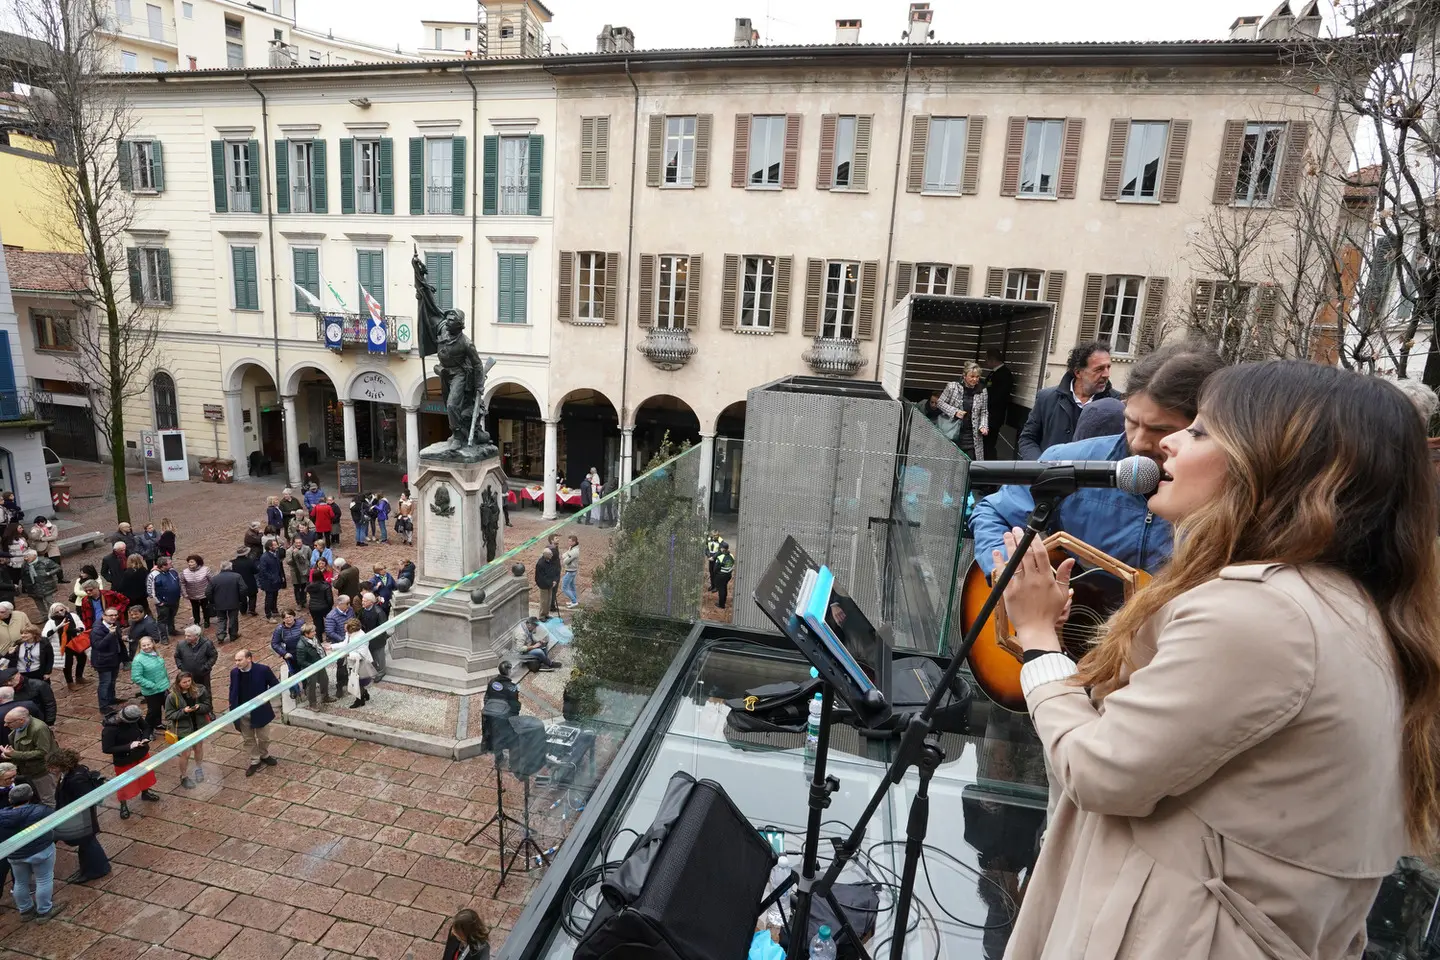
(999, 389)
(270, 578)
(196, 655)
(141, 625)
(587, 497)
(106, 653)
(248, 680)
(371, 615)
(347, 579)
(244, 565)
(1052, 419)
(547, 578)
(36, 692)
(113, 563)
(226, 596)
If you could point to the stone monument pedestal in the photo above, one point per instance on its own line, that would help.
(455, 644)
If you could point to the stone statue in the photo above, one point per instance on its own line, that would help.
(489, 521)
(441, 506)
(462, 376)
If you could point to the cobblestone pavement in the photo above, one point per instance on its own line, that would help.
(344, 849)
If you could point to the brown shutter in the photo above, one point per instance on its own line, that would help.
(904, 279)
(919, 137)
(1229, 166)
(602, 151)
(865, 317)
(612, 286)
(825, 167)
(1201, 299)
(814, 280)
(703, 133)
(1155, 288)
(995, 282)
(1090, 307)
(565, 307)
(655, 161)
(1292, 166)
(790, 165)
(780, 304)
(740, 163)
(645, 316)
(729, 291)
(587, 151)
(860, 163)
(1175, 146)
(974, 141)
(1115, 159)
(1014, 156)
(1070, 157)
(694, 274)
(1055, 288)
(960, 280)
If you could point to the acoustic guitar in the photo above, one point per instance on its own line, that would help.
(1101, 584)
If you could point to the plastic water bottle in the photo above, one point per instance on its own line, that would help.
(822, 947)
(774, 919)
(812, 727)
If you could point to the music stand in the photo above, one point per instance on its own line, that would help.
(502, 739)
(525, 755)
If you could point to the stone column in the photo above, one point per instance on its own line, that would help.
(627, 455)
(235, 432)
(292, 442)
(352, 440)
(412, 443)
(707, 468)
(552, 463)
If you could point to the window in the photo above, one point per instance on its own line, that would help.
(757, 296)
(514, 175)
(945, 155)
(277, 6)
(142, 165)
(302, 155)
(237, 174)
(680, 151)
(932, 278)
(367, 176)
(590, 298)
(767, 151)
(153, 264)
(122, 10)
(507, 30)
(167, 408)
(513, 277)
(234, 42)
(371, 264)
(842, 296)
(187, 10)
(1259, 163)
(129, 62)
(441, 269)
(158, 65)
(670, 305)
(1023, 284)
(467, 34)
(1040, 165)
(307, 277)
(1144, 153)
(53, 331)
(154, 19)
(844, 172)
(245, 282)
(314, 56)
(279, 35)
(439, 37)
(439, 169)
(595, 152)
(1118, 310)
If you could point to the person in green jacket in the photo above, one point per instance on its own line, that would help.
(149, 673)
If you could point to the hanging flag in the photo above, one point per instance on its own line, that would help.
(336, 294)
(307, 296)
(377, 335)
(404, 336)
(334, 326)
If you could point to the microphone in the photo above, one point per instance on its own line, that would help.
(1137, 475)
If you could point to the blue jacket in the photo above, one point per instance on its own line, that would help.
(384, 588)
(247, 685)
(106, 650)
(15, 819)
(284, 639)
(382, 509)
(274, 517)
(335, 624)
(167, 587)
(269, 572)
(1118, 523)
(313, 497)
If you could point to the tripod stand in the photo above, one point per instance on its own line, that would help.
(527, 842)
(504, 742)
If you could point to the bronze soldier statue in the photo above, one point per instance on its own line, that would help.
(462, 376)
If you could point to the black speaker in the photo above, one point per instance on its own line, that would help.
(527, 753)
(690, 887)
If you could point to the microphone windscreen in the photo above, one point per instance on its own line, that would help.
(1137, 475)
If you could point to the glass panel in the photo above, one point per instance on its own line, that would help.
(439, 176)
(515, 175)
(1144, 151)
(757, 293)
(767, 150)
(945, 154)
(680, 151)
(1041, 162)
(844, 150)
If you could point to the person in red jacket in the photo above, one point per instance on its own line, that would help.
(96, 601)
(324, 519)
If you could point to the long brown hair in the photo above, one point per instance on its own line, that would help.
(1330, 469)
(469, 929)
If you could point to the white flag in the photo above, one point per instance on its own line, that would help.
(307, 296)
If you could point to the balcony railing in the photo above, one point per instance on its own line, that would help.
(835, 357)
(299, 198)
(668, 348)
(141, 29)
(239, 201)
(439, 198)
(515, 198)
(356, 328)
(19, 405)
(366, 201)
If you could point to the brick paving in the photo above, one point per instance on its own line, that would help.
(345, 848)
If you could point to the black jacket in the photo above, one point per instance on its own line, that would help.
(112, 568)
(133, 585)
(452, 950)
(116, 736)
(47, 661)
(245, 567)
(999, 388)
(370, 619)
(226, 590)
(319, 599)
(547, 572)
(1052, 419)
(195, 659)
(146, 626)
(76, 784)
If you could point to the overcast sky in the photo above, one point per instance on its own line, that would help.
(668, 23)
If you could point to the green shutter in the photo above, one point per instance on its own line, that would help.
(372, 277)
(217, 173)
(307, 275)
(537, 173)
(505, 301)
(319, 191)
(252, 174)
(519, 277)
(347, 175)
(362, 260)
(282, 176)
(137, 286)
(442, 273)
(164, 257)
(457, 178)
(246, 279)
(417, 176)
(490, 178)
(387, 179)
(122, 164)
(157, 166)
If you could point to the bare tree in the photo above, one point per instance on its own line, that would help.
(88, 120)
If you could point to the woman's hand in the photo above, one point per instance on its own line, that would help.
(984, 431)
(1037, 598)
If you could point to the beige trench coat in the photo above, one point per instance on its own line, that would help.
(1241, 797)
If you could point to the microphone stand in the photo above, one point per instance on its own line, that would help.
(918, 747)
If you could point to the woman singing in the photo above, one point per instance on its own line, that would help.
(1258, 744)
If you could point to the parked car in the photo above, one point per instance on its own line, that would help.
(54, 466)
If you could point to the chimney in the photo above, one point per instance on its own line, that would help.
(920, 19)
(1309, 22)
(1245, 28)
(1277, 26)
(847, 31)
(615, 40)
(745, 34)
